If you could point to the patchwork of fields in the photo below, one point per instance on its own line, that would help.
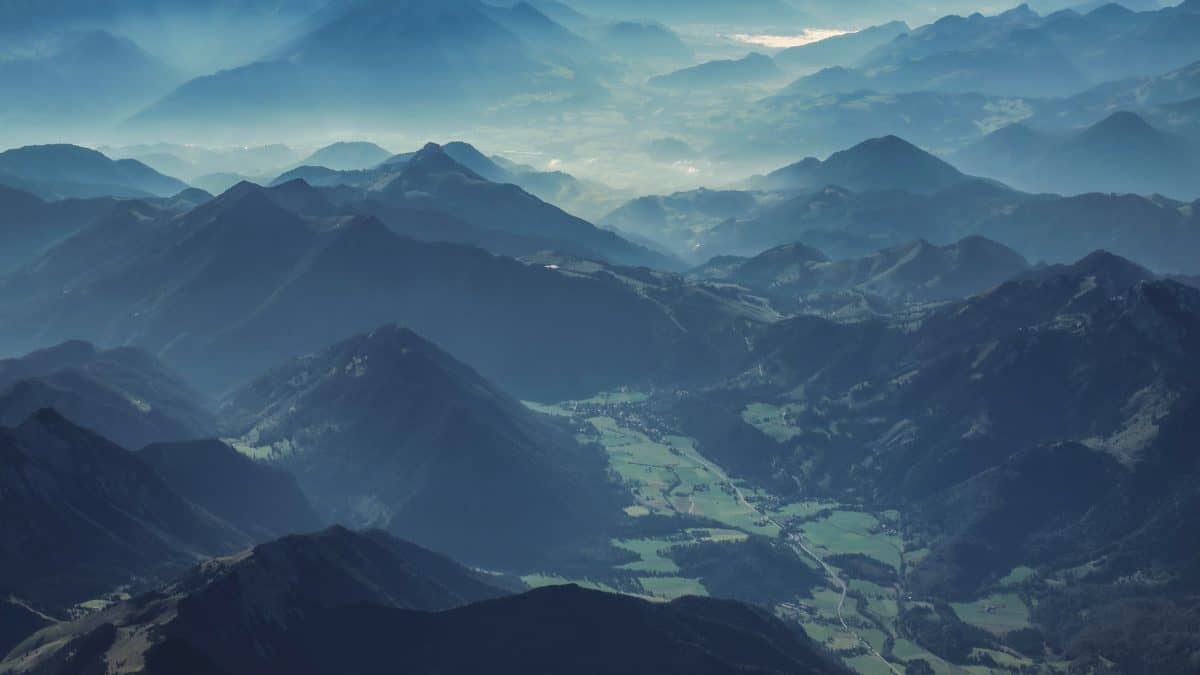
(668, 476)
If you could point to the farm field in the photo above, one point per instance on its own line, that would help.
(668, 476)
(998, 613)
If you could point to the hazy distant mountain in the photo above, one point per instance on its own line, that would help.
(841, 50)
(887, 163)
(82, 515)
(652, 42)
(386, 430)
(124, 394)
(674, 219)
(338, 600)
(69, 171)
(79, 79)
(1121, 153)
(454, 53)
(753, 67)
(347, 156)
(262, 501)
(710, 12)
(431, 180)
(801, 279)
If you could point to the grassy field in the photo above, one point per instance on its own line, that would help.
(844, 532)
(669, 588)
(1018, 575)
(772, 420)
(999, 613)
(541, 580)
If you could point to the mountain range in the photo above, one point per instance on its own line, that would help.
(387, 430)
(1122, 153)
(339, 600)
(800, 279)
(67, 171)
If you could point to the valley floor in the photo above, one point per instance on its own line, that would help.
(855, 618)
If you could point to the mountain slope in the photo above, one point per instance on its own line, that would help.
(63, 171)
(432, 180)
(798, 278)
(887, 163)
(386, 430)
(82, 515)
(261, 501)
(124, 394)
(347, 156)
(259, 598)
(452, 51)
(230, 288)
(339, 601)
(841, 50)
(753, 67)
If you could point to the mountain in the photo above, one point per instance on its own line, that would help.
(17, 622)
(262, 501)
(82, 515)
(229, 288)
(801, 279)
(1121, 153)
(1071, 375)
(386, 430)
(347, 156)
(888, 163)
(841, 50)
(339, 601)
(76, 79)
(432, 181)
(65, 171)
(453, 52)
(1002, 68)
(646, 42)
(753, 67)
(751, 13)
(124, 394)
(30, 225)
(673, 219)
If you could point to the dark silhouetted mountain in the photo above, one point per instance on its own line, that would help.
(65, 171)
(243, 613)
(801, 279)
(82, 515)
(262, 501)
(887, 163)
(387, 430)
(338, 601)
(753, 67)
(17, 622)
(348, 156)
(124, 394)
(841, 50)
